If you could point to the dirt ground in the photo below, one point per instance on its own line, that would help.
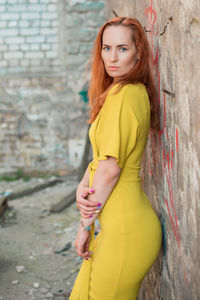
(37, 253)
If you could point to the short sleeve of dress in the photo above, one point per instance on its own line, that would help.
(119, 129)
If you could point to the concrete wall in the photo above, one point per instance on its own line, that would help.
(171, 163)
(44, 49)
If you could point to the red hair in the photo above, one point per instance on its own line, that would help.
(101, 82)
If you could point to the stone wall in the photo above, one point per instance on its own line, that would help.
(44, 50)
(171, 163)
(29, 36)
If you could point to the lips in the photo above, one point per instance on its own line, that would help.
(113, 67)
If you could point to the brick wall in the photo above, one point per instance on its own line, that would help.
(44, 49)
(29, 38)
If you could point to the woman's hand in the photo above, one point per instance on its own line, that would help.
(86, 207)
(82, 243)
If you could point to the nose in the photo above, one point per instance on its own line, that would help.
(113, 55)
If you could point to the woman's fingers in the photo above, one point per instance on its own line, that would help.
(83, 253)
(88, 209)
(83, 193)
(86, 190)
(81, 198)
(80, 251)
(86, 202)
(87, 214)
(87, 205)
(87, 252)
(87, 255)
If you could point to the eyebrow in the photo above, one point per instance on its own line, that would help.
(117, 45)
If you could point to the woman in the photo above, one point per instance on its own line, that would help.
(124, 107)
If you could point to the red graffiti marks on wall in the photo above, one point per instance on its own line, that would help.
(162, 147)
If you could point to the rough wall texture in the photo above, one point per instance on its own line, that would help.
(44, 49)
(29, 36)
(171, 163)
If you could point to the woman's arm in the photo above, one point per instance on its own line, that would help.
(104, 181)
(85, 206)
(85, 179)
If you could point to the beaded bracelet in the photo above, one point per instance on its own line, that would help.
(85, 228)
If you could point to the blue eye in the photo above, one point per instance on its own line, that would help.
(124, 49)
(106, 48)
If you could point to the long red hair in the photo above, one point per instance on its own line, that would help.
(101, 82)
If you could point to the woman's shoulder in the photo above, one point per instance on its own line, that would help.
(133, 89)
(129, 93)
(128, 88)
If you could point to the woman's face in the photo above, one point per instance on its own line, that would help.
(118, 50)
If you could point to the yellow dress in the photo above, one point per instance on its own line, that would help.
(131, 234)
